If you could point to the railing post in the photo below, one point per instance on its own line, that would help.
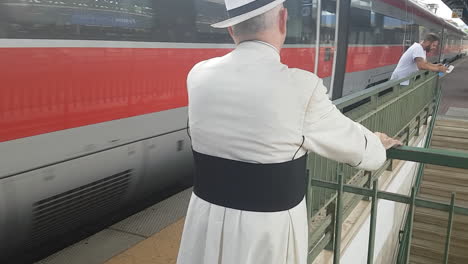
(449, 228)
(374, 101)
(390, 165)
(370, 250)
(427, 115)
(407, 132)
(331, 210)
(401, 246)
(338, 217)
(419, 125)
(368, 183)
(398, 88)
(410, 224)
(308, 198)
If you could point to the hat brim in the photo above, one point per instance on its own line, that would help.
(238, 19)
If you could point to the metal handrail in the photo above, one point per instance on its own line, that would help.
(338, 180)
(441, 157)
(390, 108)
(404, 247)
(356, 97)
(458, 159)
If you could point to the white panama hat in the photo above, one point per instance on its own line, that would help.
(242, 10)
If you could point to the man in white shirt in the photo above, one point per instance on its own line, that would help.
(414, 59)
(252, 121)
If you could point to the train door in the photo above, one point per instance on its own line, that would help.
(326, 44)
(364, 56)
(375, 38)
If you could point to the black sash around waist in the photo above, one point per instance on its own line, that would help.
(249, 186)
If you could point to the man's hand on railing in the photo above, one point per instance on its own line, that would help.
(387, 141)
(442, 68)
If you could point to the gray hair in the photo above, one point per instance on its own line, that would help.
(257, 24)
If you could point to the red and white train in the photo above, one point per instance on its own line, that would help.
(93, 98)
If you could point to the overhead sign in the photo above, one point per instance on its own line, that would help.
(457, 13)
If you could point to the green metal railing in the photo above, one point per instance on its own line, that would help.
(405, 243)
(335, 189)
(431, 156)
(390, 108)
(436, 157)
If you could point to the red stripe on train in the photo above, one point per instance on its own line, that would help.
(50, 89)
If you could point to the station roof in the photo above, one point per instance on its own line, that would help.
(459, 4)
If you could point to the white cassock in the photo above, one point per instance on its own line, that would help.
(248, 106)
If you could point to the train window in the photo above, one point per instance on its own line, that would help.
(361, 18)
(77, 19)
(424, 30)
(209, 12)
(360, 27)
(124, 20)
(393, 31)
(370, 28)
(328, 22)
(301, 21)
(137, 20)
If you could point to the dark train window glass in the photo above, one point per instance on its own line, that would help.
(209, 12)
(120, 20)
(360, 27)
(370, 28)
(136, 20)
(424, 30)
(327, 28)
(393, 31)
(328, 22)
(77, 19)
(412, 34)
(302, 18)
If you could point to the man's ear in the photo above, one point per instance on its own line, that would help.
(283, 20)
(231, 33)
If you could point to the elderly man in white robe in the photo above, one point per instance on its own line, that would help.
(252, 121)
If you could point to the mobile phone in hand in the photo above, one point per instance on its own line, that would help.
(449, 68)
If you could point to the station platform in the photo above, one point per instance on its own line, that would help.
(454, 101)
(153, 235)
